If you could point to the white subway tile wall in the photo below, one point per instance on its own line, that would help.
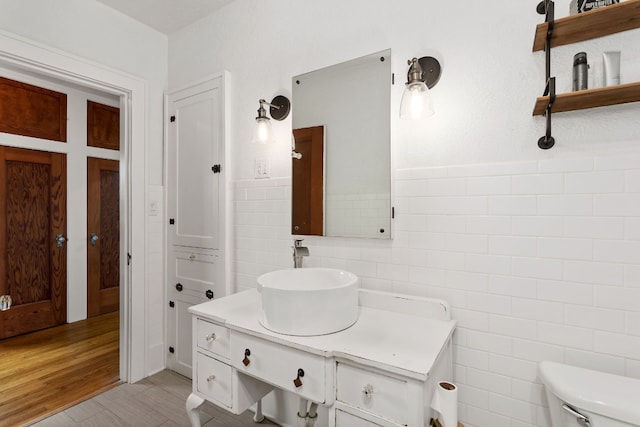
(540, 260)
(358, 215)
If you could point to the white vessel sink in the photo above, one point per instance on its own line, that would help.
(308, 301)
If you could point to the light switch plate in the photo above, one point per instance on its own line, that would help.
(261, 168)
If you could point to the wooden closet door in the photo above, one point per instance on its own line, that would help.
(33, 250)
(307, 208)
(103, 231)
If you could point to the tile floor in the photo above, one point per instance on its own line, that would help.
(155, 401)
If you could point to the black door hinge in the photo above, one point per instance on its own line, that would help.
(172, 221)
(172, 350)
(128, 258)
(216, 168)
(393, 78)
(393, 212)
(172, 304)
(172, 119)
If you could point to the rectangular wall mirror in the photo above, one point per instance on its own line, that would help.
(341, 165)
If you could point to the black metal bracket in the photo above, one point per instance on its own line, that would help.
(547, 141)
(547, 8)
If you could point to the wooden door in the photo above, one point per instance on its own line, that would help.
(33, 251)
(103, 236)
(307, 208)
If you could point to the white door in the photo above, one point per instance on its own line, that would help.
(194, 166)
(195, 210)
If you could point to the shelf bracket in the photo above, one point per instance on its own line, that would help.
(547, 8)
(547, 140)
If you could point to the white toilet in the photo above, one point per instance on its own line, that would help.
(584, 398)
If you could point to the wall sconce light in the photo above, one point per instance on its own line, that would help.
(279, 109)
(423, 74)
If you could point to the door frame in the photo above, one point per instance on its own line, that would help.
(31, 56)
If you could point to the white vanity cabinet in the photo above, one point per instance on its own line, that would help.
(308, 375)
(212, 373)
(375, 393)
(214, 378)
(374, 397)
(382, 371)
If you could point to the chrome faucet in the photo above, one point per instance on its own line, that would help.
(299, 251)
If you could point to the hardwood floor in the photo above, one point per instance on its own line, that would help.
(47, 371)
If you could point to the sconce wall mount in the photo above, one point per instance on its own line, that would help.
(430, 68)
(279, 109)
(423, 74)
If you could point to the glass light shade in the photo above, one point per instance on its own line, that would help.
(262, 131)
(416, 102)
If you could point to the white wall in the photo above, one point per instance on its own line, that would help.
(93, 31)
(89, 30)
(537, 251)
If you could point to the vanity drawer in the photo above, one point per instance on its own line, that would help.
(214, 380)
(212, 337)
(374, 392)
(279, 365)
(345, 419)
(196, 273)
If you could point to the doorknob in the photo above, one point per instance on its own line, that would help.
(60, 239)
(94, 239)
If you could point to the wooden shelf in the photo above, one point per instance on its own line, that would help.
(582, 99)
(589, 25)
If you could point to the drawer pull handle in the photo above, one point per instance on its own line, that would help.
(246, 360)
(367, 391)
(211, 378)
(211, 337)
(298, 382)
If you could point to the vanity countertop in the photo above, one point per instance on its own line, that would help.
(397, 342)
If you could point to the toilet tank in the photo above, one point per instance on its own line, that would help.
(606, 400)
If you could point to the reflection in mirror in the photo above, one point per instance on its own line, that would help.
(341, 168)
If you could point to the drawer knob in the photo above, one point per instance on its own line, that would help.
(298, 382)
(246, 360)
(211, 337)
(367, 391)
(211, 378)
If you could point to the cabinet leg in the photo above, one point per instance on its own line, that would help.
(193, 409)
(258, 416)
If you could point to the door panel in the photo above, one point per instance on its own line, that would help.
(103, 224)
(33, 268)
(307, 213)
(32, 111)
(103, 126)
(193, 150)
